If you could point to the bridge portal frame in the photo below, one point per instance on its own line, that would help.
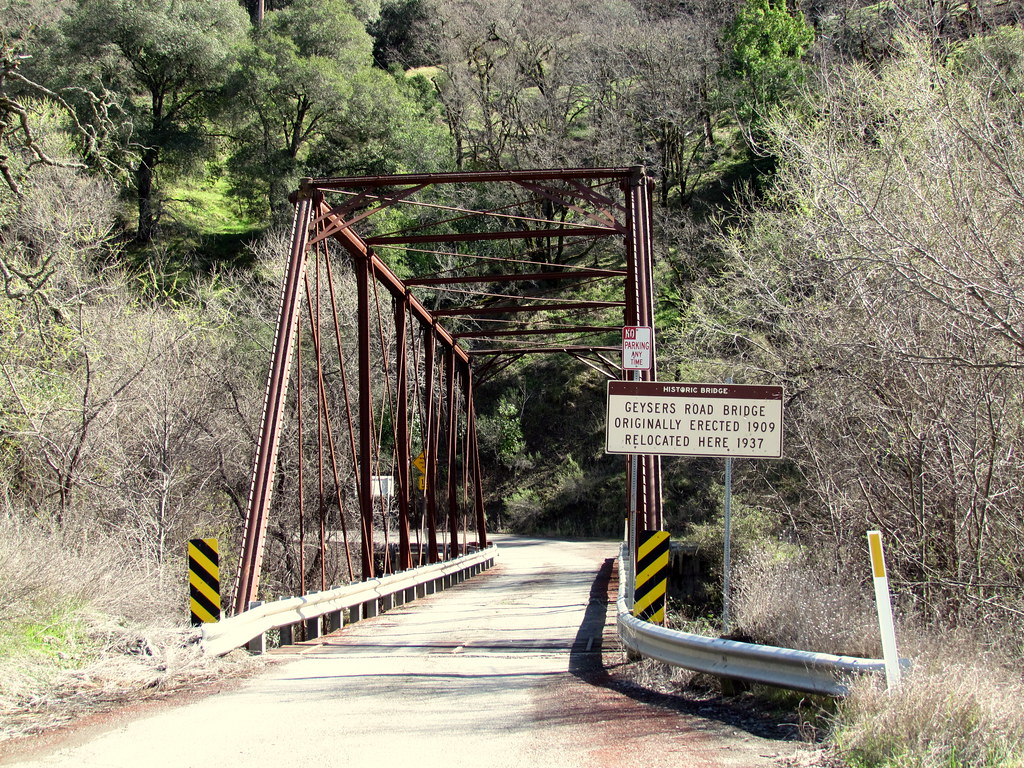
(588, 208)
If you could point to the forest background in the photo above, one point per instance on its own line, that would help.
(839, 209)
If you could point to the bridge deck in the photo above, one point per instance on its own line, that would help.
(500, 671)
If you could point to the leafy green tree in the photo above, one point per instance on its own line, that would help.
(161, 62)
(397, 34)
(27, 106)
(766, 44)
(310, 102)
(509, 432)
(290, 88)
(391, 124)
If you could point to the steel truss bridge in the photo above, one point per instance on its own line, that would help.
(512, 252)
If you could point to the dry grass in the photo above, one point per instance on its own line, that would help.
(47, 566)
(131, 664)
(786, 599)
(961, 705)
(956, 708)
(85, 627)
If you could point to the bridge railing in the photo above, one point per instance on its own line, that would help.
(821, 673)
(363, 600)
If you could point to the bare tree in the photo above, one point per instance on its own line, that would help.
(884, 285)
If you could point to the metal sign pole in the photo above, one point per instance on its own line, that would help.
(633, 498)
(727, 555)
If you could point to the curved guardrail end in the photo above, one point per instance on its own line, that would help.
(798, 670)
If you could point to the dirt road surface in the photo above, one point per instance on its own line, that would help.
(503, 670)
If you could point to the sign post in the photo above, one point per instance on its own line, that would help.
(637, 356)
(727, 554)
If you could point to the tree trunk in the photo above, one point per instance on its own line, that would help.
(144, 187)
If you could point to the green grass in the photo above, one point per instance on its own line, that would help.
(429, 72)
(204, 206)
(202, 230)
(57, 636)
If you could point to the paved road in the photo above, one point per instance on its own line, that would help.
(500, 671)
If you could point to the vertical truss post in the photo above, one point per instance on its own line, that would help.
(362, 269)
(642, 303)
(474, 457)
(403, 451)
(453, 489)
(430, 443)
(646, 253)
(260, 492)
(301, 473)
(632, 317)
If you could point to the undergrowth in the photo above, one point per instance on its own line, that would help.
(956, 708)
(960, 705)
(784, 597)
(86, 627)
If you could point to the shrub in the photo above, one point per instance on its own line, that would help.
(783, 597)
(87, 625)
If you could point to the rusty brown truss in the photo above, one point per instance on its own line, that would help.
(511, 251)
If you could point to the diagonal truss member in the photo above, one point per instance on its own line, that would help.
(512, 252)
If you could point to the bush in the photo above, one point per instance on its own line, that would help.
(783, 597)
(750, 527)
(855, 283)
(87, 625)
(56, 587)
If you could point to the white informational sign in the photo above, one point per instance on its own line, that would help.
(637, 348)
(674, 419)
(382, 485)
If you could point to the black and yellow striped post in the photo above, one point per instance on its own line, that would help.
(651, 576)
(204, 580)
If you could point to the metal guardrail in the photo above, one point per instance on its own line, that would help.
(806, 671)
(821, 673)
(368, 596)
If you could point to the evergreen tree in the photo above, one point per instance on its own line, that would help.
(766, 44)
(161, 63)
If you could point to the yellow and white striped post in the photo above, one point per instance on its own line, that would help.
(204, 581)
(883, 601)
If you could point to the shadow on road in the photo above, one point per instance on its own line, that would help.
(587, 662)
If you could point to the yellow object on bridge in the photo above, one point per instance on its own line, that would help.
(204, 581)
(651, 576)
